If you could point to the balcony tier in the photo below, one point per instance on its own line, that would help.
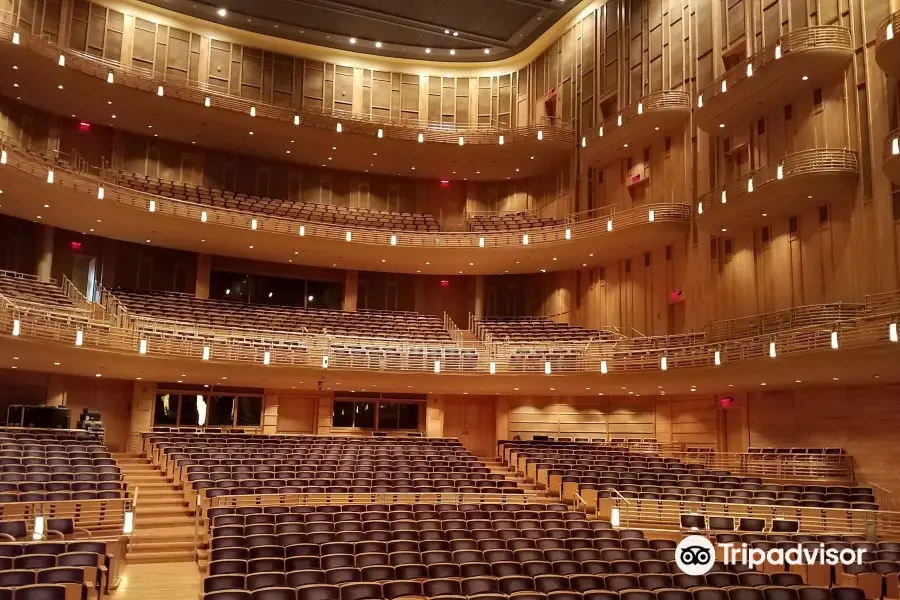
(800, 61)
(278, 132)
(796, 182)
(583, 240)
(47, 336)
(887, 46)
(636, 127)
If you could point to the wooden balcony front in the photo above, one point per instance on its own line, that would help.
(887, 45)
(799, 62)
(890, 156)
(781, 189)
(636, 126)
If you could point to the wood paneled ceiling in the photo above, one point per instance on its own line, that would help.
(475, 30)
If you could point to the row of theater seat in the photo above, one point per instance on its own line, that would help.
(256, 205)
(513, 329)
(228, 314)
(29, 290)
(449, 590)
(509, 222)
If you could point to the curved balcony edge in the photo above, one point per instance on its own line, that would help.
(809, 176)
(887, 45)
(46, 326)
(638, 124)
(585, 238)
(810, 56)
(890, 156)
(197, 93)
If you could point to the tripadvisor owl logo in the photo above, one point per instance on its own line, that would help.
(695, 555)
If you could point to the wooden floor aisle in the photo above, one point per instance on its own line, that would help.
(155, 581)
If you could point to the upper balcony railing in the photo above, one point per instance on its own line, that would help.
(806, 162)
(781, 320)
(890, 156)
(671, 100)
(316, 351)
(203, 94)
(808, 38)
(887, 50)
(83, 182)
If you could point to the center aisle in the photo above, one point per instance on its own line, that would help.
(172, 581)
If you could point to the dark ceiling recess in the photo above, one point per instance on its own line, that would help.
(438, 30)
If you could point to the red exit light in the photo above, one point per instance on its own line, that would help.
(76, 245)
(725, 402)
(445, 183)
(445, 283)
(84, 126)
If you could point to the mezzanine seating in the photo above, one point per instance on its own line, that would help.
(509, 222)
(303, 211)
(38, 465)
(536, 329)
(27, 289)
(217, 313)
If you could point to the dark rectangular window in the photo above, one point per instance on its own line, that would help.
(221, 411)
(668, 143)
(628, 164)
(249, 411)
(766, 235)
(714, 248)
(342, 414)
(729, 247)
(601, 272)
(408, 416)
(823, 214)
(166, 409)
(788, 112)
(669, 252)
(646, 259)
(793, 225)
(817, 97)
(387, 416)
(364, 415)
(190, 411)
(646, 154)
(761, 126)
(895, 202)
(628, 265)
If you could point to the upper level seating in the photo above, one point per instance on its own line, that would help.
(27, 289)
(539, 329)
(648, 476)
(510, 222)
(303, 211)
(229, 464)
(218, 313)
(39, 465)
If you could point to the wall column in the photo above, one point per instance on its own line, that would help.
(479, 296)
(45, 253)
(204, 264)
(270, 414)
(351, 289)
(142, 399)
(434, 416)
(56, 390)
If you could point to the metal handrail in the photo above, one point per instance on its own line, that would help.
(814, 161)
(881, 34)
(654, 101)
(816, 314)
(798, 40)
(163, 205)
(199, 93)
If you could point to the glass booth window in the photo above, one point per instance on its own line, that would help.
(166, 409)
(221, 411)
(249, 411)
(364, 415)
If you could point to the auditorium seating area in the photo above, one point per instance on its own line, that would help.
(647, 476)
(47, 465)
(27, 289)
(302, 211)
(187, 309)
(509, 222)
(535, 329)
(229, 465)
(37, 570)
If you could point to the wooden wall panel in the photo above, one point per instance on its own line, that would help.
(471, 419)
(297, 413)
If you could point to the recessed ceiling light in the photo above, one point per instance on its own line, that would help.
(721, 125)
(446, 31)
(352, 40)
(806, 78)
(15, 68)
(251, 133)
(60, 86)
(455, 34)
(56, 364)
(427, 50)
(378, 44)
(487, 50)
(222, 12)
